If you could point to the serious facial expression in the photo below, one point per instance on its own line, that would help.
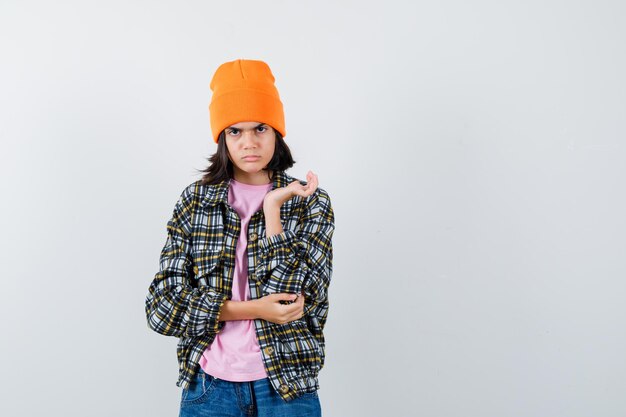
(250, 148)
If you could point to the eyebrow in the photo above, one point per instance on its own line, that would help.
(260, 124)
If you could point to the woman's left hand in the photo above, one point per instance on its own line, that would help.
(277, 197)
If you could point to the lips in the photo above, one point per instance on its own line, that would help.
(251, 158)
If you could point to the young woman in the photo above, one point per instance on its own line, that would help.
(244, 273)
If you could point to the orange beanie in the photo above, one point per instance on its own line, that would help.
(243, 90)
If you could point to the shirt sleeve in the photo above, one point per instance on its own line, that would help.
(301, 260)
(174, 305)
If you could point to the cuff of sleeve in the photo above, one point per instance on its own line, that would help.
(282, 240)
(214, 305)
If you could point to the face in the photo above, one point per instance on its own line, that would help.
(250, 147)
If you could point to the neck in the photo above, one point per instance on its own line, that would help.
(257, 178)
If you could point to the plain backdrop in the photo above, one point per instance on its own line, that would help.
(474, 152)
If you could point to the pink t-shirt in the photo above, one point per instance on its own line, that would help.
(235, 355)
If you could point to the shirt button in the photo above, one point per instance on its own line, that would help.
(253, 237)
(269, 350)
(283, 388)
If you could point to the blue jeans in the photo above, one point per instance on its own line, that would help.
(208, 396)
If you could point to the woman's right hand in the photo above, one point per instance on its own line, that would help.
(271, 309)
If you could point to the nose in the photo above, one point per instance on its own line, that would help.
(248, 138)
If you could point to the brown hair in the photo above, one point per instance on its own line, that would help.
(221, 168)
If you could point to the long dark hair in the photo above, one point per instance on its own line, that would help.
(221, 168)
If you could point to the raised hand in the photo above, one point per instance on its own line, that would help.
(277, 197)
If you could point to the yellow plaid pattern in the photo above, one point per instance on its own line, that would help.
(197, 264)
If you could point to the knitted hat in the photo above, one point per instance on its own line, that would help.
(243, 90)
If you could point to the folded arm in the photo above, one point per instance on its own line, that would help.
(173, 306)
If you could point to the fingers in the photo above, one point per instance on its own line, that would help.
(284, 296)
(288, 311)
(313, 181)
(300, 304)
(310, 187)
(296, 312)
(300, 299)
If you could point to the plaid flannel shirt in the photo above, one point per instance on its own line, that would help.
(196, 273)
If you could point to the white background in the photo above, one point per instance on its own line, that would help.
(474, 152)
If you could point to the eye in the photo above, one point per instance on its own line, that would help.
(262, 127)
(232, 131)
